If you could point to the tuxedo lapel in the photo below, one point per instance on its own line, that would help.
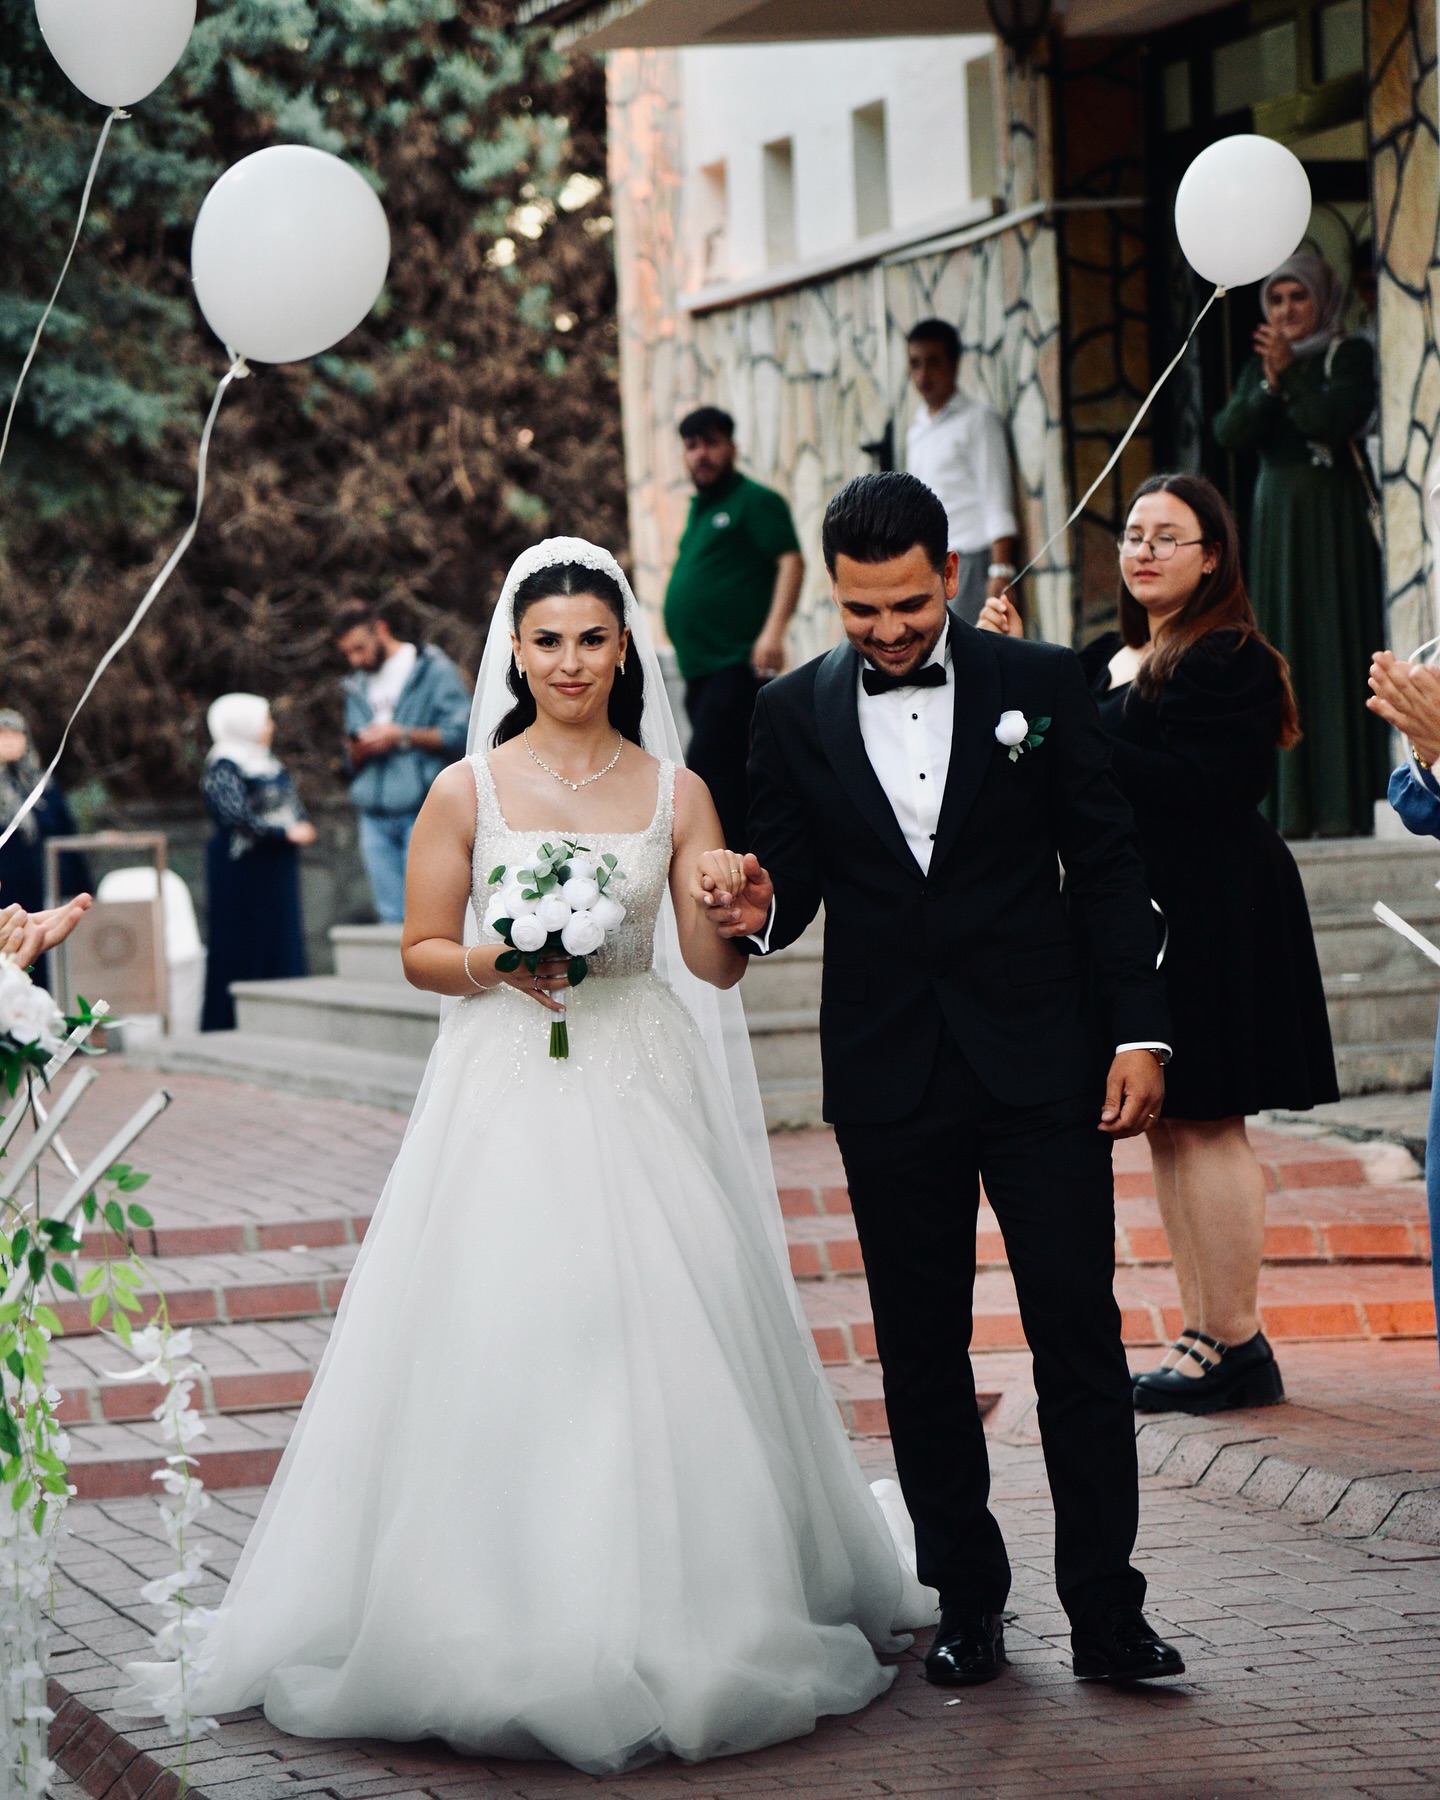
(837, 718)
(975, 676)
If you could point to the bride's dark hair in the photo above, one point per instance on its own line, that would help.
(627, 696)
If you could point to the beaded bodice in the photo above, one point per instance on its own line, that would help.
(642, 859)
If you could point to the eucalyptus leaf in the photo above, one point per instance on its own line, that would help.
(507, 961)
(496, 874)
(576, 970)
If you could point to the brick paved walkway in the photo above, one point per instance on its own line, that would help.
(1294, 1551)
(1313, 1671)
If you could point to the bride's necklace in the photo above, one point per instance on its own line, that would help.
(575, 786)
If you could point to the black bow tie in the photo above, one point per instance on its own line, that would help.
(876, 681)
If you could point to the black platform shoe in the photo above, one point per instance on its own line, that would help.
(1241, 1375)
(969, 1648)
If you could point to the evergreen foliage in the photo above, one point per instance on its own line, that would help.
(475, 410)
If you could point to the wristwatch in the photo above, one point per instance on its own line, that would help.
(1161, 1056)
(1000, 572)
(405, 737)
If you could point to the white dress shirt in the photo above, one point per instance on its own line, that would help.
(961, 454)
(907, 735)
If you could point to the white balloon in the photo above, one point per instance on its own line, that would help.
(1243, 207)
(289, 253)
(116, 51)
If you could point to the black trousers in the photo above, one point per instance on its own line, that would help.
(915, 1190)
(721, 705)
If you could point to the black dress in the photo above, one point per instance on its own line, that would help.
(1246, 997)
(253, 873)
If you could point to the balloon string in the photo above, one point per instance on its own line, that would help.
(1119, 449)
(115, 113)
(236, 372)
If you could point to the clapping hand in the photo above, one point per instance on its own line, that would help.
(1407, 696)
(26, 936)
(735, 891)
(1274, 350)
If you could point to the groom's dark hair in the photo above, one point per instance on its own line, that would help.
(876, 517)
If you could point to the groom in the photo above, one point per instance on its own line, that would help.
(979, 1019)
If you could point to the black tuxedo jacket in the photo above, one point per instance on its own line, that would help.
(1037, 982)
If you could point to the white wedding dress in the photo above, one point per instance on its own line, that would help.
(570, 1481)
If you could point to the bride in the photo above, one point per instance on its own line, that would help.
(570, 1481)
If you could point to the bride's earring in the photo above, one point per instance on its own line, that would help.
(621, 669)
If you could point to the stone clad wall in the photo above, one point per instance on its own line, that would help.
(813, 374)
(1405, 146)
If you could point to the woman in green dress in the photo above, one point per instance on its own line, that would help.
(1301, 403)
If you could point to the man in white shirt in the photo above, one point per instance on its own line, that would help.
(958, 448)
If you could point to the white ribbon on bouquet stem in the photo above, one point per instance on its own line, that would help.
(116, 112)
(236, 372)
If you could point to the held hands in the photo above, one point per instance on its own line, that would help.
(378, 739)
(1000, 614)
(1134, 1094)
(1407, 696)
(26, 936)
(735, 892)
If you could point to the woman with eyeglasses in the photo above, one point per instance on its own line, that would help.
(1196, 704)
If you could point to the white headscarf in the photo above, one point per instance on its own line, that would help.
(237, 725)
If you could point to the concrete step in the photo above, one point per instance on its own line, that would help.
(111, 1461)
(367, 952)
(297, 1065)
(786, 1045)
(1370, 1010)
(1385, 1067)
(792, 1105)
(788, 981)
(390, 1017)
(1359, 871)
(1351, 941)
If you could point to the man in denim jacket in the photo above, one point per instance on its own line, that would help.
(407, 715)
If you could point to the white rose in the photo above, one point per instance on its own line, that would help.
(27, 1013)
(553, 912)
(583, 934)
(581, 869)
(527, 933)
(495, 911)
(607, 913)
(581, 893)
(1013, 729)
(516, 905)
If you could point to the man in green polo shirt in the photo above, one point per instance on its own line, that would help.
(732, 592)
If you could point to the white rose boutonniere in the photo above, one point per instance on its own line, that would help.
(1018, 734)
(558, 906)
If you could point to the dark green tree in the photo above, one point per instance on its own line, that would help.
(475, 410)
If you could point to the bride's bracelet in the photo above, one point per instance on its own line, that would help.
(479, 986)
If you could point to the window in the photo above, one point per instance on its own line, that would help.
(872, 169)
(779, 193)
(1342, 40)
(980, 126)
(712, 220)
(1175, 96)
(1264, 66)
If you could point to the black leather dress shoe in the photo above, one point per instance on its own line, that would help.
(1119, 1646)
(1241, 1375)
(969, 1648)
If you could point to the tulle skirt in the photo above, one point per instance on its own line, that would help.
(570, 1481)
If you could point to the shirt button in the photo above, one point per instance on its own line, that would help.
(922, 777)
(914, 715)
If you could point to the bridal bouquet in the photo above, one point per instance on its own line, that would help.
(556, 906)
(31, 1025)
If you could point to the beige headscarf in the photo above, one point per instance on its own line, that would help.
(1327, 296)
